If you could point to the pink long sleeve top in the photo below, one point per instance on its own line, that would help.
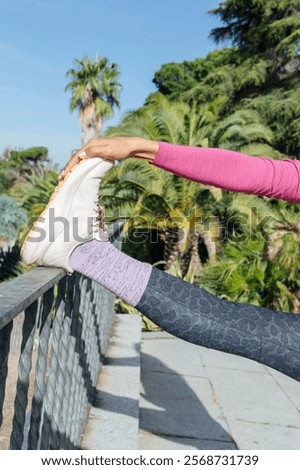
(232, 170)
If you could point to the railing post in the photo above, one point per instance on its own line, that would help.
(41, 365)
(25, 364)
(5, 335)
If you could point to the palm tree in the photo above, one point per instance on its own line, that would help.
(259, 263)
(164, 202)
(95, 91)
(245, 132)
(283, 254)
(35, 195)
(239, 275)
(164, 120)
(161, 119)
(153, 200)
(176, 208)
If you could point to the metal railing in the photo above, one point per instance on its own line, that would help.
(54, 331)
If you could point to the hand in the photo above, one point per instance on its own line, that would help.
(113, 148)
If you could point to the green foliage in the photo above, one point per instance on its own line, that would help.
(173, 79)
(284, 257)
(243, 98)
(241, 128)
(9, 263)
(11, 217)
(156, 201)
(165, 120)
(18, 166)
(259, 73)
(32, 154)
(259, 25)
(258, 263)
(6, 181)
(33, 196)
(279, 108)
(27, 180)
(239, 274)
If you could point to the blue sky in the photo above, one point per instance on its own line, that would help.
(39, 40)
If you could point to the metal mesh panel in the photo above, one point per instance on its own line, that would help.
(54, 331)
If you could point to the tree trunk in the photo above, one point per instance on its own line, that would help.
(191, 256)
(297, 302)
(195, 257)
(210, 243)
(171, 250)
(91, 125)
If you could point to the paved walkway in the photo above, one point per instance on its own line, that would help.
(194, 398)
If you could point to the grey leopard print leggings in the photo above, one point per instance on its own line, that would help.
(188, 312)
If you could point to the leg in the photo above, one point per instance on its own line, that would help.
(195, 315)
(191, 313)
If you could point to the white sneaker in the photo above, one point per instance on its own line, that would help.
(71, 217)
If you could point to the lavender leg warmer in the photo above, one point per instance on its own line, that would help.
(113, 269)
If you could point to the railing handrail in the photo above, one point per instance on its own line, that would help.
(19, 293)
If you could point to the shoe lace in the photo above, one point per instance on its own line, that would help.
(98, 219)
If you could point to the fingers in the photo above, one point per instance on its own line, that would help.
(74, 160)
(88, 151)
(109, 149)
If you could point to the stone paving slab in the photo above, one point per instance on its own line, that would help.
(154, 442)
(251, 436)
(253, 397)
(289, 386)
(193, 397)
(181, 418)
(212, 358)
(114, 418)
(177, 405)
(162, 354)
(156, 385)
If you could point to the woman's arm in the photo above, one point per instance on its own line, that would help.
(232, 170)
(221, 168)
